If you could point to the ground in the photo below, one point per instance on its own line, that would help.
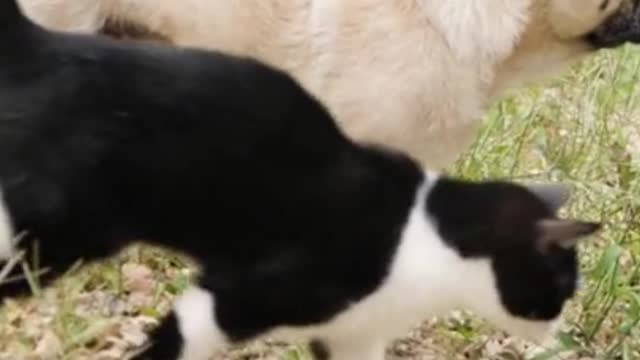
(583, 128)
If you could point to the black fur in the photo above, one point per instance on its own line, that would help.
(104, 142)
(498, 221)
(9, 14)
(231, 162)
(167, 341)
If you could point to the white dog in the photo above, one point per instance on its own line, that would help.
(413, 74)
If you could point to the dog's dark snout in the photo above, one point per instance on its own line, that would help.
(622, 27)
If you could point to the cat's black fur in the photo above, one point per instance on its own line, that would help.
(494, 220)
(104, 142)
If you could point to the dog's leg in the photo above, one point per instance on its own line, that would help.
(150, 20)
(86, 16)
(92, 16)
(190, 332)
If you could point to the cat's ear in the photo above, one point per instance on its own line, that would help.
(563, 233)
(553, 195)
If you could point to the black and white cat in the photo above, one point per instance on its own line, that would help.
(301, 233)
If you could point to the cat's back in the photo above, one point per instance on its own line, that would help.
(157, 96)
(153, 127)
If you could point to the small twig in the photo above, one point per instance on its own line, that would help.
(6, 269)
(76, 265)
(19, 237)
(14, 260)
(17, 278)
(33, 282)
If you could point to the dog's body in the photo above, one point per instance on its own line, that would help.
(413, 74)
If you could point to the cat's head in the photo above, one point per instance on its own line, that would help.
(520, 259)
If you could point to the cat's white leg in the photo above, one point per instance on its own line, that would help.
(189, 332)
(351, 349)
(201, 335)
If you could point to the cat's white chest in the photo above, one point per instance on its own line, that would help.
(419, 285)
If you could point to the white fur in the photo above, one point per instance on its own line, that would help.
(75, 16)
(6, 232)
(195, 310)
(573, 18)
(427, 279)
(484, 17)
(416, 74)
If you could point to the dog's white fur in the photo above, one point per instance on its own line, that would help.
(413, 74)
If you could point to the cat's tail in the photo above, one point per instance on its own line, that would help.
(6, 231)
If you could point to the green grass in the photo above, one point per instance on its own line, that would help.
(583, 128)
